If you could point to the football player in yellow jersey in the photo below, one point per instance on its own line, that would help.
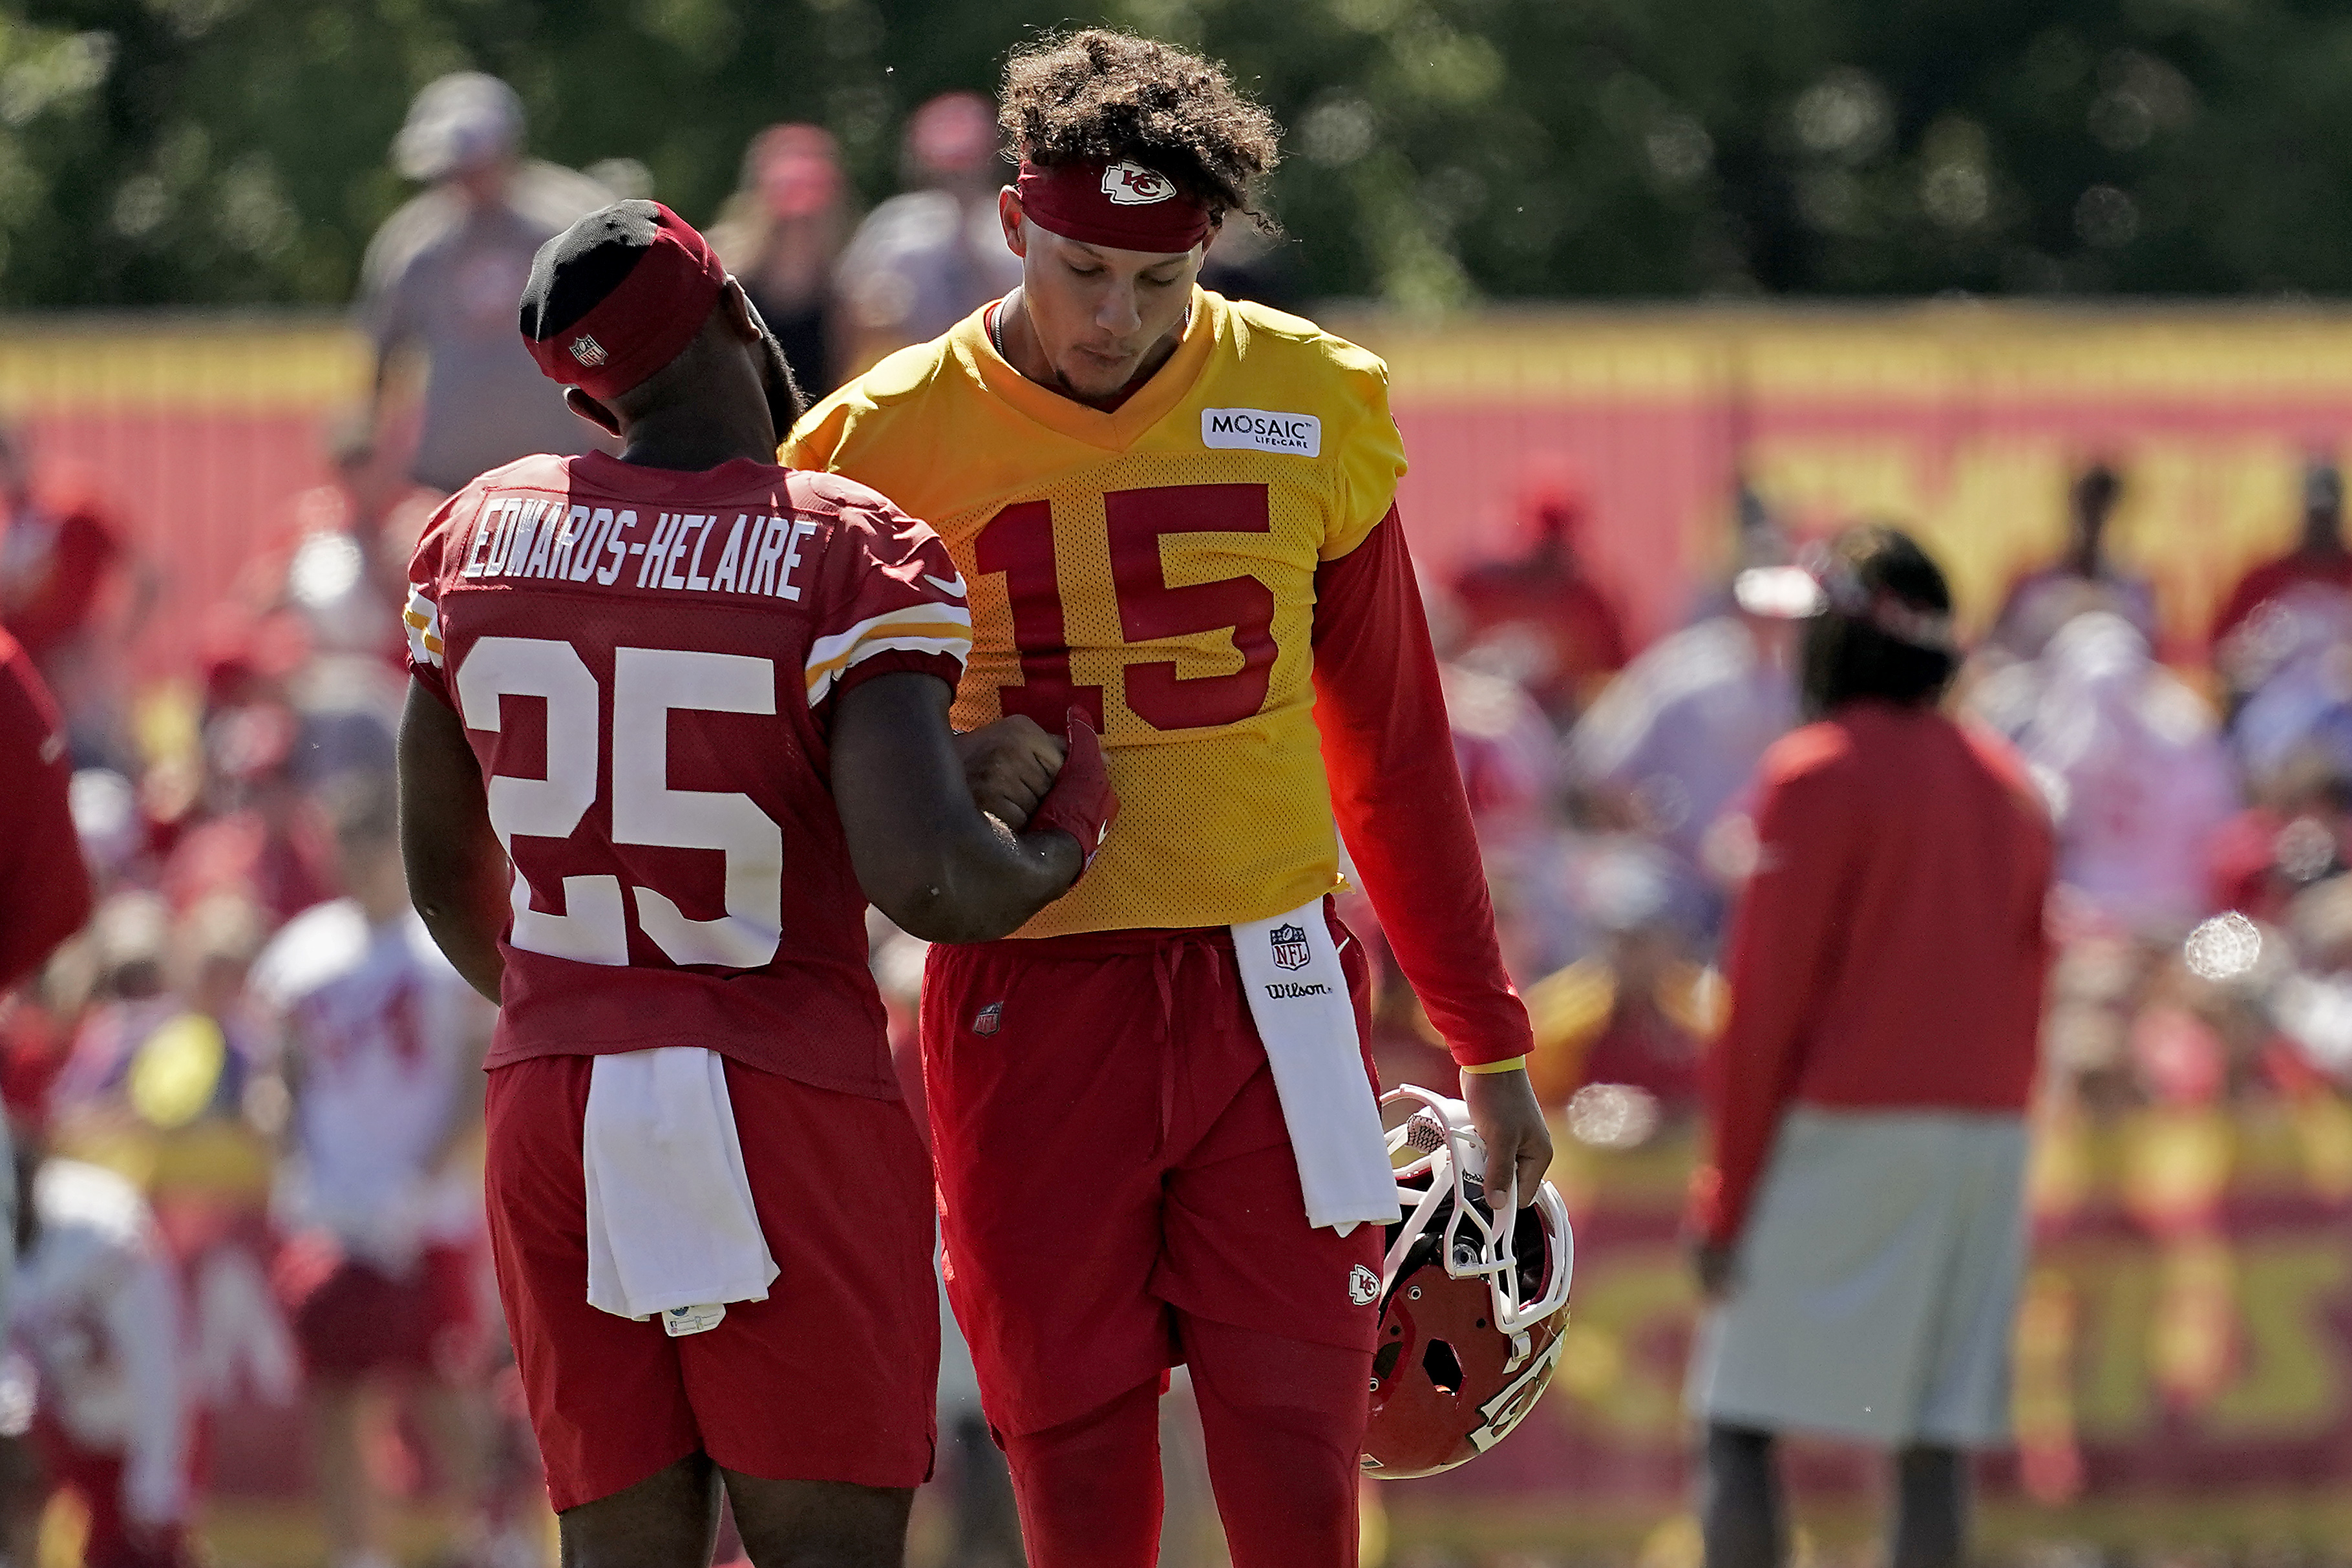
(1152, 1108)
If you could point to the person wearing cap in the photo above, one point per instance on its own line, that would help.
(675, 718)
(1860, 1222)
(1152, 1113)
(929, 256)
(442, 276)
(1541, 617)
(2320, 560)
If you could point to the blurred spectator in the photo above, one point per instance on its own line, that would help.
(1539, 619)
(780, 235)
(45, 891)
(2083, 578)
(381, 1044)
(1860, 1224)
(264, 838)
(59, 553)
(1635, 1014)
(1504, 748)
(2295, 834)
(2319, 558)
(1671, 744)
(339, 562)
(1244, 262)
(2313, 1003)
(2138, 779)
(926, 258)
(445, 272)
(2290, 678)
(97, 1317)
(169, 1044)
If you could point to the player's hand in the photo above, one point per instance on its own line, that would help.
(1082, 803)
(1511, 1123)
(1712, 1262)
(1010, 765)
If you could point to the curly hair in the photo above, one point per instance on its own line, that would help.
(1101, 95)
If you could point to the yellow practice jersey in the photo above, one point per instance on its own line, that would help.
(1155, 568)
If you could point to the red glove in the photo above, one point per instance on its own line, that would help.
(1081, 803)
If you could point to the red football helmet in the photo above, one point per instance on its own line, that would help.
(1471, 1310)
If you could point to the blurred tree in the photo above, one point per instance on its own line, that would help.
(220, 151)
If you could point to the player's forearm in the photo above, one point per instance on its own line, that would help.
(454, 915)
(989, 884)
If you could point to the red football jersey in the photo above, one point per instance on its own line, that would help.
(645, 661)
(44, 892)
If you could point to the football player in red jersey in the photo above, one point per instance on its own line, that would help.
(675, 718)
(1177, 511)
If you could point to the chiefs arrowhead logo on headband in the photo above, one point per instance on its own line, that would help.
(1130, 184)
(1122, 205)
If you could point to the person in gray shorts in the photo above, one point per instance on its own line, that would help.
(1860, 1226)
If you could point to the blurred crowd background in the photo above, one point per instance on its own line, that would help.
(261, 262)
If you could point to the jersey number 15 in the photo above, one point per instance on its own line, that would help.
(1019, 542)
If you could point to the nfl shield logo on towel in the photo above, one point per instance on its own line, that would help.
(1289, 947)
(988, 1018)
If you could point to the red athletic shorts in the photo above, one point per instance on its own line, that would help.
(356, 1319)
(831, 1378)
(1110, 1145)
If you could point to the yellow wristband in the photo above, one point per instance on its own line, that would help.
(1516, 1064)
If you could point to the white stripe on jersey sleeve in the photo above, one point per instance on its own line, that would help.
(423, 618)
(934, 628)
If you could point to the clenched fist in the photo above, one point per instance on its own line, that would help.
(1010, 765)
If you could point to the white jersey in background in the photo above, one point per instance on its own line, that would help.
(96, 1311)
(380, 1036)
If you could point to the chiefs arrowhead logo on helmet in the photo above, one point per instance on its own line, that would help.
(1473, 1304)
(1130, 184)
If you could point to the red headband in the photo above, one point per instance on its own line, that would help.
(646, 320)
(1123, 206)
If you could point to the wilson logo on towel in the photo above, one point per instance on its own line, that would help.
(1290, 950)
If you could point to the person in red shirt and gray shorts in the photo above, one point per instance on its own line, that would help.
(1861, 1226)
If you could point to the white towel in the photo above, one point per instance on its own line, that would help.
(671, 1226)
(1298, 995)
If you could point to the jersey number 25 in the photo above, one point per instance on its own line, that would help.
(647, 684)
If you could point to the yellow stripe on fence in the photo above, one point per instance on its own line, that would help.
(59, 366)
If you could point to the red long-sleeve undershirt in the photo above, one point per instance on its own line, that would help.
(1398, 796)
